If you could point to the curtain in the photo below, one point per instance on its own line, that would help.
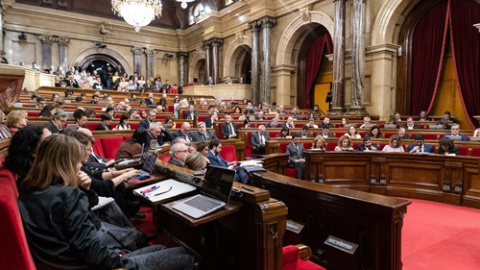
(466, 53)
(315, 56)
(428, 51)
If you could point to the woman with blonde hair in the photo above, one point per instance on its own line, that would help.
(16, 120)
(319, 143)
(58, 226)
(196, 161)
(394, 145)
(344, 144)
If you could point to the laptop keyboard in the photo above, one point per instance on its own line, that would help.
(202, 204)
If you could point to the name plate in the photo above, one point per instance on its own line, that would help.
(294, 226)
(341, 244)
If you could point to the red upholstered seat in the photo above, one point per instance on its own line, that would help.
(307, 145)
(475, 152)
(283, 147)
(291, 172)
(98, 147)
(15, 253)
(134, 126)
(291, 260)
(430, 136)
(331, 146)
(91, 126)
(463, 150)
(228, 153)
(164, 158)
(110, 146)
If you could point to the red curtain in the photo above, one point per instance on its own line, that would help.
(428, 49)
(315, 56)
(466, 53)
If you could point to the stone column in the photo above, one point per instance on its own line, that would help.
(358, 60)
(255, 62)
(46, 50)
(216, 42)
(182, 67)
(63, 52)
(208, 65)
(338, 91)
(150, 53)
(2, 12)
(137, 59)
(267, 23)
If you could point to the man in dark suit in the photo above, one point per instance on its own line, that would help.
(326, 123)
(455, 133)
(305, 133)
(325, 133)
(273, 123)
(184, 133)
(258, 140)
(289, 124)
(157, 132)
(229, 129)
(411, 124)
(71, 82)
(423, 117)
(178, 154)
(203, 134)
(190, 114)
(211, 120)
(145, 124)
(296, 159)
(150, 101)
(367, 145)
(213, 155)
(419, 146)
(210, 81)
(402, 133)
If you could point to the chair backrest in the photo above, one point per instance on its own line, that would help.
(15, 254)
(229, 153)
(98, 147)
(111, 145)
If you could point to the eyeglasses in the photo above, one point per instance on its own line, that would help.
(183, 151)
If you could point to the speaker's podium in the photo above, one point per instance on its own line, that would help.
(246, 234)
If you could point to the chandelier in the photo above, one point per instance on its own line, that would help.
(184, 3)
(137, 13)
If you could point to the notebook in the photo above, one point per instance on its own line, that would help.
(163, 190)
(216, 190)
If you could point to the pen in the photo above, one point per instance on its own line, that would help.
(149, 189)
(163, 192)
(246, 188)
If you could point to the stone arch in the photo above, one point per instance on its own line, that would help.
(293, 32)
(232, 53)
(108, 52)
(193, 64)
(389, 16)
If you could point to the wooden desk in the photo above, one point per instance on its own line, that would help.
(372, 221)
(247, 235)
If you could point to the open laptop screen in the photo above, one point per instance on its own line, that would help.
(149, 163)
(218, 182)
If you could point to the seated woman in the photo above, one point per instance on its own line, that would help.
(447, 147)
(57, 223)
(352, 133)
(319, 143)
(344, 122)
(195, 161)
(16, 120)
(344, 144)
(48, 111)
(106, 121)
(394, 145)
(124, 123)
(133, 147)
(375, 132)
(284, 133)
(80, 118)
(202, 147)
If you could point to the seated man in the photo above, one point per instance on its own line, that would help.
(178, 154)
(296, 158)
(213, 155)
(289, 124)
(419, 146)
(305, 133)
(367, 145)
(423, 117)
(191, 113)
(402, 133)
(229, 129)
(273, 123)
(447, 115)
(59, 119)
(203, 134)
(455, 133)
(410, 124)
(366, 122)
(258, 140)
(159, 133)
(325, 133)
(184, 132)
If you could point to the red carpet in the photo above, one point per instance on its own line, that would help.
(440, 236)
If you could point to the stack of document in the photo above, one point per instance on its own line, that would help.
(163, 190)
(251, 163)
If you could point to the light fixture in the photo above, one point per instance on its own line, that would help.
(137, 13)
(184, 4)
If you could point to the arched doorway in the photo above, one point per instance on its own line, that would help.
(104, 65)
(199, 72)
(243, 64)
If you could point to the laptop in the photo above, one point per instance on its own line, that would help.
(436, 127)
(147, 168)
(454, 138)
(215, 193)
(476, 139)
(390, 126)
(368, 126)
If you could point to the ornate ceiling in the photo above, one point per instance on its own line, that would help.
(173, 16)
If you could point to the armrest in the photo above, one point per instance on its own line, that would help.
(304, 252)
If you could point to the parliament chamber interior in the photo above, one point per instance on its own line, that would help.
(333, 135)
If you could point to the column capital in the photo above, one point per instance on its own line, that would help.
(267, 22)
(216, 41)
(182, 54)
(207, 43)
(137, 50)
(149, 52)
(47, 39)
(63, 41)
(254, 26)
